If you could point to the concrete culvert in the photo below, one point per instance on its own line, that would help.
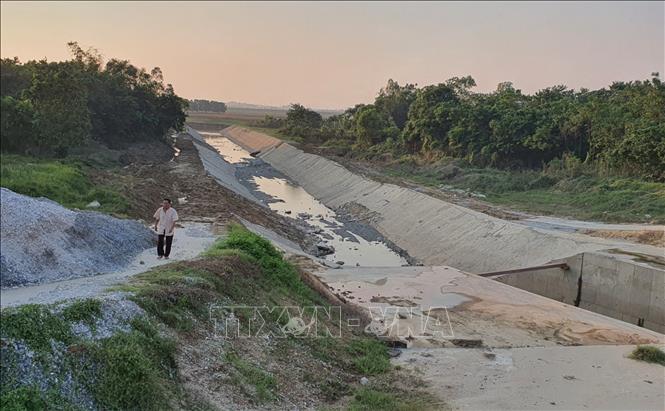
(43, 241)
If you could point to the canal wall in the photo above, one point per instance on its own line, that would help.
(431, 230)
(440, 233)
(605, 283)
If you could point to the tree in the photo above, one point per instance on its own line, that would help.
(373, 126)
(14, 77)
(16, 128)
(430, 118)
(207, 105)
(50, 107)
(302, 122)
(60, 102)
(395, 101)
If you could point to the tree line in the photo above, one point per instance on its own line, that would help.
(207, 105)
(49, 107)
(620, 128)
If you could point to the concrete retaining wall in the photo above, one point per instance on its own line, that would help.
(554, 283)
(617, 287)
(433, 231)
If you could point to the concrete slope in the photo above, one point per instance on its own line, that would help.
(477, 308)
(431, 230)
(250, 140)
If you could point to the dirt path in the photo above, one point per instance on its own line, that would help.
(190, 240)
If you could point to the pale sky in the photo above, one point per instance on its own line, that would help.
(334, 55)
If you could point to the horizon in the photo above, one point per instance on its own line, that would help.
(331, 56)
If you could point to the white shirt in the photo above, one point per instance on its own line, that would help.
(167, 220)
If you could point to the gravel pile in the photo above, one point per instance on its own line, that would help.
(44, 242)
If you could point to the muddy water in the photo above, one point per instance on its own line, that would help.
(292, 201)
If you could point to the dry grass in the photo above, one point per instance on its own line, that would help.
(650, 237)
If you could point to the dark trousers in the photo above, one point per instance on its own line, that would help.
(160, 245)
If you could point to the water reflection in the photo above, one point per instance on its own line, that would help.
(350, 248)
(231, 152)
(294, 202)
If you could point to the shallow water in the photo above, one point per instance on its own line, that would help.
(350, 247)
(293, 201)
(231, 152)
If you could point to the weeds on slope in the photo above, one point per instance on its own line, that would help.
(62, 181)
(139, 367)
(130, 370)
(263, 383)
(45, 364)
(570, 191)
(244, 268)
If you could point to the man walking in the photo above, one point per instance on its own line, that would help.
(165, 218)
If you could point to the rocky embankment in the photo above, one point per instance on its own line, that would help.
(43, 241)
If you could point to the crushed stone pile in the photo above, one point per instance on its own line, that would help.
(43, 241)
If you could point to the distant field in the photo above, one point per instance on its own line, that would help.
(239, 115)
(233, 115)
(213, 122)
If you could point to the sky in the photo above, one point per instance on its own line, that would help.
(337, 54)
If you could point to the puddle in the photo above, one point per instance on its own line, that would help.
(452, 300)
(294, 202)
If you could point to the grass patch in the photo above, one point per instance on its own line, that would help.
(85, 311)
(277, 271)
(132, 370)
(176, 295)
(62, 181)
(369, 399)
(578, 195)
(36, 325)
(370, 356)
(649, 353)
(31, 398)
(262, 382)
(129, 370)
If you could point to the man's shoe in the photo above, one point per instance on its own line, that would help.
(159, 257)
(166, 257)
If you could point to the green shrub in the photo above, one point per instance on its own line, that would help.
(31, 398)
(263, 382)
(83, 311)
(649, 353)
(369, 399)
